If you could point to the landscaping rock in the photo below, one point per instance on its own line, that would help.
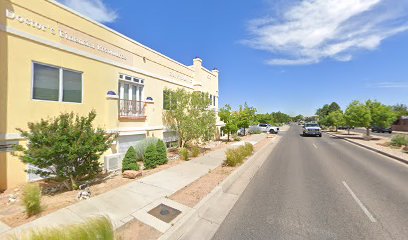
(84, 194)
(12, 198)
(131, 174)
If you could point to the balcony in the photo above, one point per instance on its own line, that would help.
(131, 109)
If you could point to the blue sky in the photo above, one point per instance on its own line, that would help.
(277, 55)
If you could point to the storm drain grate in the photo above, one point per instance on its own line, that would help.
(164, 213)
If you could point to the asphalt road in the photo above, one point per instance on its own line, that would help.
(321, 188)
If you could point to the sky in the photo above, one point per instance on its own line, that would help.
(291, 56)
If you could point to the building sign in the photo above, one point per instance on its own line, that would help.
(70, 35)
(180, 77)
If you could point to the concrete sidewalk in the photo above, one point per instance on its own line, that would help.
(132, 201)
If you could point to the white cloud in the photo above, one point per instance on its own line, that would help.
(94, 9)
(388, 85)
(311, 30)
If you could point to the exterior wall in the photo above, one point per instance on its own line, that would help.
(402, 124)
(31, 33)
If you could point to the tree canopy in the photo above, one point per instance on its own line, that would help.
(189, 115)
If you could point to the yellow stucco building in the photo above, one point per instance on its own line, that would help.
(54, 60)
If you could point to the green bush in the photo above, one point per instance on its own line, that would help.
(141, 146)
(254, 131)
(184, 154)
(32, 199)
(150, 158)
(399, 140)
(96, 228)
(405, 149)
(161, 152)
(68, 147)
(195, 151)
(248, 149)
(129, 161)
(236, 156)
(236, 138)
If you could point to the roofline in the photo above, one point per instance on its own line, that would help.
(113, 31)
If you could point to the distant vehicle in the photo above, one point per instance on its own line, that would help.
(312, 129)
(344, 127)
(241, 132)
(263, 127)
(381, 129)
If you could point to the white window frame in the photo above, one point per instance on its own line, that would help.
(61, 77)
(138, 82)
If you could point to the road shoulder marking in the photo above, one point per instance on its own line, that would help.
(365, 210)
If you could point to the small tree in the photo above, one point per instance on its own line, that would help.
(246, 116)
(161, 152)
(150, 159)
(129, 161)
(358, 115)
(336, 118)
(189, 115)
(381, 115)
(67, 147)
(229, 118)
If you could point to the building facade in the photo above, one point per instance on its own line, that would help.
(53, 60)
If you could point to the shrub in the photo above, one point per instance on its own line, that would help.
(129, 161)
(248, 149)
(67, 147)
(195, 151)
(161, 153)
(141, 146)
(32, 199)
(184, 154)
(233, 157)
(254, 131)
(96, 228)
(236, 138)
(236, 156)
(150, 158)
(399, 140)
(405, 149)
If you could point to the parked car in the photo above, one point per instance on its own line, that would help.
(264, 127)
(381, 129)
(344, 127)
(312, 129)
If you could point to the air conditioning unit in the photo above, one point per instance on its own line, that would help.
(113, 162)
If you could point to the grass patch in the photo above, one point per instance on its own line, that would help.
(184, 154)
(96, 228)
(236, 156)
(399, 140)
(32, 199)
(195, 151)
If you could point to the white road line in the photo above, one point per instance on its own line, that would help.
(314, 145)
(372, 219)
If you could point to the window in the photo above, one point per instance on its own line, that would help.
(56, 84)
(211, 99)
(214, 101)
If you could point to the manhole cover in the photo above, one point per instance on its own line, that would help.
(164, 213)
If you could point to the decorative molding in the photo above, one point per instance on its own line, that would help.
(10, 136)
(87, 55)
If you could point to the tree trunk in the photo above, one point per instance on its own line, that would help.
(368, 132)
(228, 134)
(74, 185)
(348, 129)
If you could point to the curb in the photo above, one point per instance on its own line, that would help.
(371, 148)
(185, 224)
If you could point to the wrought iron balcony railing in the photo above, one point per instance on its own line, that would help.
(131, 109)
